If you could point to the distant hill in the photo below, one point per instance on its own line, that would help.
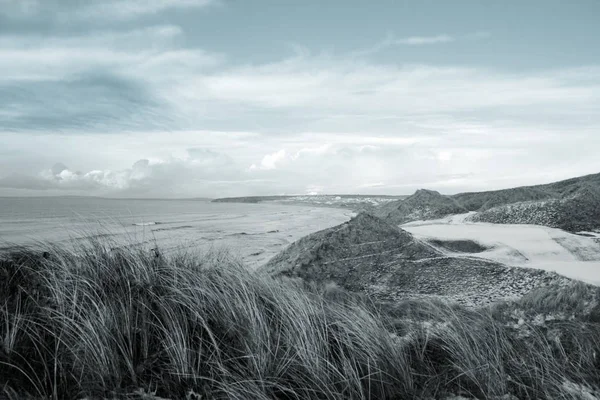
(423, 205)
(355, 202)
(369, 255)
(250, 199)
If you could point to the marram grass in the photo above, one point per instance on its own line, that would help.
(92, 322)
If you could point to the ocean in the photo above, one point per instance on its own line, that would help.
(254, 232)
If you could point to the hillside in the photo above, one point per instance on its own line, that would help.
(368, 255)
(363, 241)
(423, 205)
(574, 212)
(480, 201)
(572, 205)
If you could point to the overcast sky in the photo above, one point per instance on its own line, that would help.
(186, 98)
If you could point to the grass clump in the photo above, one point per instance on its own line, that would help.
(95, 322)
(102, 323)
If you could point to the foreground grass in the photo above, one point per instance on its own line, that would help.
(93, 322)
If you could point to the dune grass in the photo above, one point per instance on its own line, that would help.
(100, 323)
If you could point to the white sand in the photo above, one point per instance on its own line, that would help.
(528, 246)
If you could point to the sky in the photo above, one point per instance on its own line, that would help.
(215, 98)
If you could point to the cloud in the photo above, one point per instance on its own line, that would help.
(126, 9)
(66, 10)
(147, 79)
(270, 161)
(335, 167)
(316, 86)
(322, 149)
(149, 51)
(452, 155)
(343, 168)
(392, 41)
(454, 160)
(424, 40)
(157, 177)
(85, 101)
(105, 81)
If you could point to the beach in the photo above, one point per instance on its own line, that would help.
(253, 232)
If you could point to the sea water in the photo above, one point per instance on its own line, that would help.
(254, 232)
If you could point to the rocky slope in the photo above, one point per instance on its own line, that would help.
(423, 205)
(369, 255)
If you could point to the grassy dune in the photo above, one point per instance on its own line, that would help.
(93, 322)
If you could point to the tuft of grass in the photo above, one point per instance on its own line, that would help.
(576, 299)
(99, 320)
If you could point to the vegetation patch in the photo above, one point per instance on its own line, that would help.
(460, 246)
(131, 323)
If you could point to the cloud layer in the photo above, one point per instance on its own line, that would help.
(140, 109)
(144, 79)
(466, 157)
(65, 10)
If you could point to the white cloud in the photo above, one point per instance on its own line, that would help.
(392, 41)
(270, 161)
(319, 150)
(425, 40)
(158, 177)
(125, 9)
(444, 155)
(142, 53)
(314, 92)
(460, 157)
(335, 86)
(95, 9)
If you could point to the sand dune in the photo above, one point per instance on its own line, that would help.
(529, 246)
(369, 255)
